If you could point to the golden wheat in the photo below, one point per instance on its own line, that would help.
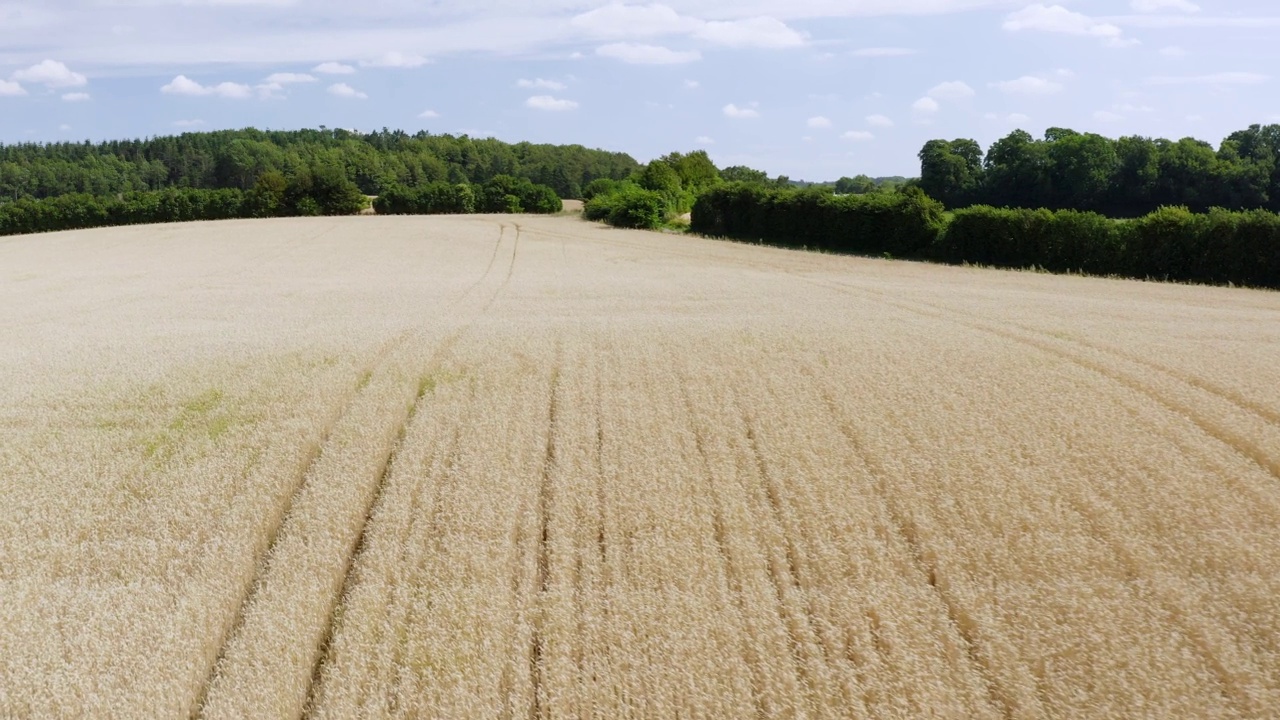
(528, 468)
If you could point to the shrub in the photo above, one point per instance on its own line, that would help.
(599, 186)
(627, 207)
(495, 196)
(541, 199)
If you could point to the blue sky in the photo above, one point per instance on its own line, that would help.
(812, 89)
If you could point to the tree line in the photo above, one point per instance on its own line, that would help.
(236, 159)
(1171, 243)
(318, 190)
(502, 194)
(1126, 177)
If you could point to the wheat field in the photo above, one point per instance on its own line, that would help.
(507, 467)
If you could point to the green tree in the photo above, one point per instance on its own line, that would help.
(1081, 169)
(696, 171)
(951, 171)
(662, 178)
(743, 174)
(859, 185)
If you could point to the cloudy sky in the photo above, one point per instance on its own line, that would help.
(813, 89)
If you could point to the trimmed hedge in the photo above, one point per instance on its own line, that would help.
(1062, 241)
(902, 224)
(1220, 246)
(1172, 243)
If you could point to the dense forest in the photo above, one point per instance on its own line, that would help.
(236, 159)
(1126, 177)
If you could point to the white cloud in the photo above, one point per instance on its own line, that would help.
(858, 136)
(1058, 19)
(288, 78)
(734, 111)
(540, 84)
(333, 68)
(1151, 6)
(428, 114)
(1130, 108)
(925, 105)
(704, 140)
(819, 122)
(270, 91)
(344, 90)
(395, 59)
(550, 104)
(187, 123)
(1225, 78)
(235, 91)
(954, 90)
(1173, 51)
(75, 97)
(759, 32)
(1107, 116)
(272, 35)
(11, 89)
(692, 84)
(1013, 118)
(879, 121)
(883, 52)
(629, 21)
(64, 127)
(183, 85)
(637, 54)
(50, 73)
(1168, 21)
(1029, 85)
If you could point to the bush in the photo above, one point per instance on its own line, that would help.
(542, 200)
(627, 207)
(438, 198)
(495, 196)
(599, 186)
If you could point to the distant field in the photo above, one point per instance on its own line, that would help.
(510, 467)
